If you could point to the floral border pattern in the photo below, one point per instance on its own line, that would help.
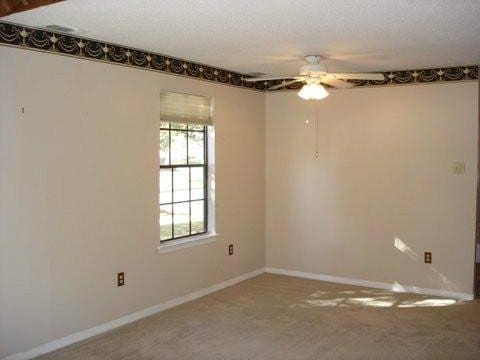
(63, 44)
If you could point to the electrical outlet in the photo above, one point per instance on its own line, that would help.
(428, 257)
(459, 167)
(120, 279)
(230, 249)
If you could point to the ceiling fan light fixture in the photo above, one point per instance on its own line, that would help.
(313, 92)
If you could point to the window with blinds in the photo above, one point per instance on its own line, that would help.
(183, 197)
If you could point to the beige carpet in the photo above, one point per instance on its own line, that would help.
(279, 317)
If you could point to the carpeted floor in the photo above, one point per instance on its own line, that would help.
(279, 317)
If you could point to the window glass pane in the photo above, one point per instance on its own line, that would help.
(166, 222)
(178, 126)
(196, 148)
(163, 153)
(197, 183)
(165, 186)
(181, 215)
(179, 147)
(198, 225)
(184, 185)
(180, 184)
(195, 127)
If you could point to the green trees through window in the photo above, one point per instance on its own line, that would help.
(183, 180)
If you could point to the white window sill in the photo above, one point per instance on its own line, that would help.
(175, 245)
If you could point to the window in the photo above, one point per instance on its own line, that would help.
(183, 180)
(186, 189)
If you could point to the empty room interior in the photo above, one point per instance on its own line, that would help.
(233, 180)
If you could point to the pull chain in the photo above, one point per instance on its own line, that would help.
(307, 121)
(316, 132)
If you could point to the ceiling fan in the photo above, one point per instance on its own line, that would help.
(314, 74)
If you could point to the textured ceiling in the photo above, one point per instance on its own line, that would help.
(271, 36)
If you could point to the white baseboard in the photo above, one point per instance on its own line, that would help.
(85, 334)
(372, 284)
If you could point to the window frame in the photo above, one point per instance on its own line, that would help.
(187, 165)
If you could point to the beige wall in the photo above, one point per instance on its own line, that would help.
(384, 171)
(79, 192)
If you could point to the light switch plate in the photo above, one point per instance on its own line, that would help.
(459, 167)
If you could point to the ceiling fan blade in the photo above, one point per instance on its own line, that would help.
(358, 76)
(337, 83)
(267, 78)
(284, 84)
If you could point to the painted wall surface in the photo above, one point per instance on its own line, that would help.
(79, 194)
(384, 172)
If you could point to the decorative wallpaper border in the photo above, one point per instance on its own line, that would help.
(406, 77)
(79, 47)
(68, 45)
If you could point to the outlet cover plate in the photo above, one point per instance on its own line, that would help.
(428, 257)
(120, 279)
